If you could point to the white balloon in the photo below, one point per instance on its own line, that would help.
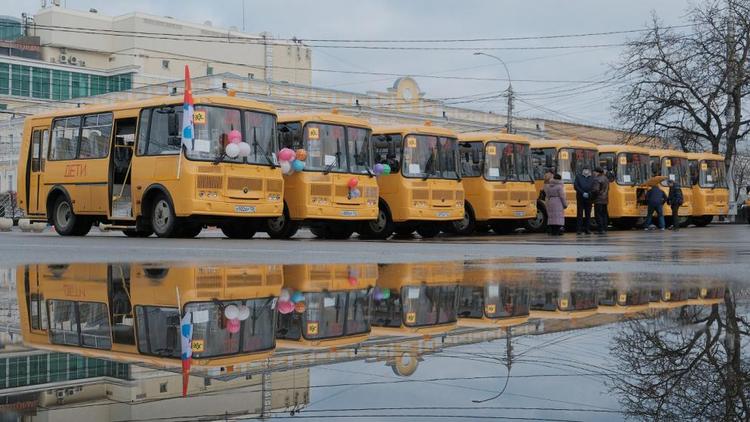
(285, 295)
(232, 150)
(231, 312)
(244, 313)
(244, 149)
(286, 167)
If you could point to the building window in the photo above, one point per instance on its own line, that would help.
(40, 83)
(4, 78)
(20, 80)
(165, 64)
(209, 70)
(163, 387)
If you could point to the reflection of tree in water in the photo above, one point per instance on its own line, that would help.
(687, 365)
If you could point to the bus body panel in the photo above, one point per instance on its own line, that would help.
(664, 156)
(707, 201)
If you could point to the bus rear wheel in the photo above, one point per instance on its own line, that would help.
(163, 218)
(238, 230)
(537, 224)
(464, 226)
(66, 222)
(381, 228)
(282, 227)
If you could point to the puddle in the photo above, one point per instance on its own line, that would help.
(451, 339)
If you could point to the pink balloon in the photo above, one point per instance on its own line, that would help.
(233, 326)
(286, 154)
(234, 137)
(285, 307)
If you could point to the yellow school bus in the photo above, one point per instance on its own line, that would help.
(493, 297)
(710, 192)
(335, 305)
(674, 165)
(567, 157)
(125, 164)
(336, 152)
(496, 174)
(416, 299)
(130, 313)
(629, 167)
(563, 295)
(424, 186)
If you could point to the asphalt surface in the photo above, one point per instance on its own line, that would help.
(717, 250)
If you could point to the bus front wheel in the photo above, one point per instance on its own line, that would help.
(464, 226)
(163, 218)
(282, 227)
(537, 224)
(66, 222)
(381, 228)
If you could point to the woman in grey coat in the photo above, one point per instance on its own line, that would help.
(555, 201)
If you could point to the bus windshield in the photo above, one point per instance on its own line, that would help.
(571, 161)
(632, 168)
(507, 161)
(430, 157)
(428, 305)
(676, 169)
(327, 315)
(493, 301)
(326, 147)
(217, 127)
(712, 174)
(358, 149)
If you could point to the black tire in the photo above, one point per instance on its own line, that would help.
(428, 230)
(381, 228)
(538, 224)
(336, 231)
(163, 218)
(465, 226)
(137, 233)
(66, 222)
(504, 227)
(238, 230)
(189, 230)
(703, 221)
(482, 227)
(683, 221)
(281, 227)
(404, 229)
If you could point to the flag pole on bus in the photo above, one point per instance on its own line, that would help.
(186, 344)
(187, 118)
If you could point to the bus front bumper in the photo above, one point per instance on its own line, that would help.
(240, 209)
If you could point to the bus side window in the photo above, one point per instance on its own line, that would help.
(607, 162)
(95, 136)
(290, 135)
(79, 324)
(66, 136)
(470, 156)
(540, 163)
(655, 167)
(36, 139)
(387, 150)
(157, 134)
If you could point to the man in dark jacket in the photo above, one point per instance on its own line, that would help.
(675, 200)
(655, 199)
(600, 190)
(583, 185)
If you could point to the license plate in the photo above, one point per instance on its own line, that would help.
(519, 213)
(244, 209)
(443, 214)
(349, 213)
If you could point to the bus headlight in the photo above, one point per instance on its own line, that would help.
(459, 204)
(420, 204)
(274, 196)
(372, 202)
(319, 201)
(207, 194)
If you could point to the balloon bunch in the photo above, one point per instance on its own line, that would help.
(291, 161)
(234, 314)
(289, 302)
(353, 191)
(381, 293)
(236, 148)
(379, 169)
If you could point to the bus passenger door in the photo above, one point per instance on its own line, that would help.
(123, 147)
(37, 158)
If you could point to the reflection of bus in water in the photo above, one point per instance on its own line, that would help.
(331, 304)
(623, 296)
(568, 158)
(710, 193)
(629, 167)
(493, 297)
(130, 312)
(668, 295)
(674, 165)
(563, 295)
(412, 299)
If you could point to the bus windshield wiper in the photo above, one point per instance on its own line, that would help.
(336, 159)
(357, 160)
(258, 146)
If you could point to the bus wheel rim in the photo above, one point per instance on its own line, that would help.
(276, 224)
(161, 215)
(379, 224)
(538, 221)
(463, 223)
(64, 214)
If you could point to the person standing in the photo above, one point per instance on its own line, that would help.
(675, 200)
(655, 199)
(600, 190)
(555, 202)
(583, 185)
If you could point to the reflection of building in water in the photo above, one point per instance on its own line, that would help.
(493, 297)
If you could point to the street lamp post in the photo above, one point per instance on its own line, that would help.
(510, 89)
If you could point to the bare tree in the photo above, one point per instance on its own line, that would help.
(690, 369)
(688, 85)
(741, 173)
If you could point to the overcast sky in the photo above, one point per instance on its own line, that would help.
(439, 19)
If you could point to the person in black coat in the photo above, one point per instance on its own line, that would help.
(675, 200)
(583, 184)
(655, 199)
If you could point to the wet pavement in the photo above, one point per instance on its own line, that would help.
(523, 327)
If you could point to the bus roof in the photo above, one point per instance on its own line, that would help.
(623, 148)
(485, 137)
(159, 101)
(562, 143)
(341, 119)
(415, 129)
(667, 153)
(705, 156)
